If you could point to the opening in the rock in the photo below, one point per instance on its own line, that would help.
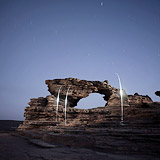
(94, 100)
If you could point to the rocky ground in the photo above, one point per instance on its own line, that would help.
(88, 133)
(119, 142)
(15, 147)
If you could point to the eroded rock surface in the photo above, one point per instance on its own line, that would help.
(79, 89)
(98, 129)
(41, 114)
(18, 148)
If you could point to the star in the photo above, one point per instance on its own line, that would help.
(101, 4)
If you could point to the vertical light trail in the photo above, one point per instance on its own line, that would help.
(58, 102)
(121, 94)
(66, 105)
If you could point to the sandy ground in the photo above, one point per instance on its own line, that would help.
(16, 147)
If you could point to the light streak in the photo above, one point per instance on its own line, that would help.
(58, 102)
(121, 95)
(66, 105)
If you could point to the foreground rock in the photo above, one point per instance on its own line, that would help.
(18, 148)
(129, 138)
(123, 143)
(98, 129)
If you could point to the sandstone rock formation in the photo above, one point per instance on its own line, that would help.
(41, 114)
(79, 89)
(101, 128)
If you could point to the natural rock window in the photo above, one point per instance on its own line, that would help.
(94, 100)
(41, 113)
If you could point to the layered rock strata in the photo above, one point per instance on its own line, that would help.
(41, 114)
(79, 89)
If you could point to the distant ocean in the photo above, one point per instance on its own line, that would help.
(9, 125)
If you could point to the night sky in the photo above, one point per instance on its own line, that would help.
(85, 39)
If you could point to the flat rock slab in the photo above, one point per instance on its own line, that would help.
(41, 143)
(18, 148)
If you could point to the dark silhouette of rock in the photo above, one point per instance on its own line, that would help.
(157, 93)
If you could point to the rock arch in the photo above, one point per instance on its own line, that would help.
(41, 113)
(94, 100)
(79, 89)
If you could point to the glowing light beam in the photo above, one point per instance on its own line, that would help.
(58, 102)
(66, 105)
(121, 95)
